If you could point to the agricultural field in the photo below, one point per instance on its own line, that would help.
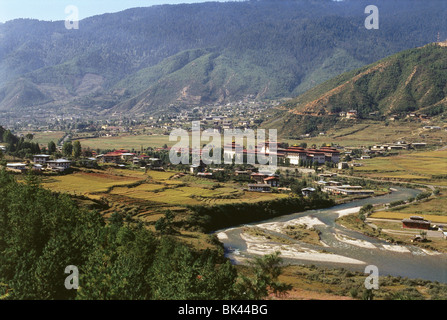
(90, 183)
(432, 209)
(418, 167)
(152, 192)
(370, 133)
(401, 215)
(126, 142)
(45, 137)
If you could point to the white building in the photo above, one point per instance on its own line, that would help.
(41, 158)
(59, 164)
(16, 167)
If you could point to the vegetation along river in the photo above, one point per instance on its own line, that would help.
(339, 247)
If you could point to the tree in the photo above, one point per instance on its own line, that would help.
(164, 224)
(51, 147)
(267, 269)
(8, 137)
(67, 149)
(77, 149)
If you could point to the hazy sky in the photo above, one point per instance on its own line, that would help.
(55, 9)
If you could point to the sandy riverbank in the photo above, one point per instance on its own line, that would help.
(260, 246)
(307, 221)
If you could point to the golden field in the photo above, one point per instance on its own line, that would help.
(163, 188)
(419, 167)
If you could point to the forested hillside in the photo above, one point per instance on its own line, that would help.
(41, 233)
(414, 80)
(144, 58)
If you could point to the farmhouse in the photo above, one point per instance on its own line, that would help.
(416, 222)
(16, 167)
(351, 114)
(37, 167)
(258, 177)
(272, 181)
(59, 164)
(418, 145)
(346, 190)
(307, 191)
(111, 157)
(259, 187)
(41, 158)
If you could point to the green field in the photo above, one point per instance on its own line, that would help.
(127, 142)
(45, 137)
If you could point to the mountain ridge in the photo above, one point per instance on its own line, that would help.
(140, 60)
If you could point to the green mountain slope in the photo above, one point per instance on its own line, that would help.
(143, 59)
(410, 81)
(203, 76)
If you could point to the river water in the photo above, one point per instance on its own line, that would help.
(405, 261)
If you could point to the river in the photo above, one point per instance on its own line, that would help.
(341, 247)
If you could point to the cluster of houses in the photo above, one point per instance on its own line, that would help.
(40, 162)
(120, 157)
(399, 145)
(44, 162)
(338, 188)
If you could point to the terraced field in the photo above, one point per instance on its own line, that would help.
(152, 192)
